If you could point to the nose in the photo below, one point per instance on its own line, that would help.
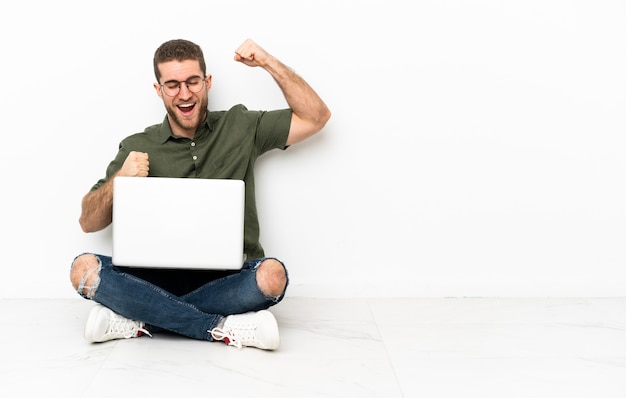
(184, 91)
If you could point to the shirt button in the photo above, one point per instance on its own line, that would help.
(195, 157)
(193, 144)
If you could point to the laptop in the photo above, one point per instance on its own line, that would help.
(190, 223)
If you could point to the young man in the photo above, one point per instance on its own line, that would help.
(194, 142)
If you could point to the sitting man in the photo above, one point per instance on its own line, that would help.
(193, 142)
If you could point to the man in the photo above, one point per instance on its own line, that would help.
(194, 142)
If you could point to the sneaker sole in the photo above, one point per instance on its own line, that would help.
(92, 321)
(269, 319)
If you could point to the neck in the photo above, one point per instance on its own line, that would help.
(180, 131)
(184, 133)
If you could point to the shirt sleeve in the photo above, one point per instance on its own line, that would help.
(113, 166)
(273, 130)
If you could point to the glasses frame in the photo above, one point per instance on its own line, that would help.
(180, 83)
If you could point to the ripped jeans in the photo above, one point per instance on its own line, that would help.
(191, 314)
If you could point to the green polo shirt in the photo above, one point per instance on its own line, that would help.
(226, 146)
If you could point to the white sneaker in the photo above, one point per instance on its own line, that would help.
(104, 324)
(252, 329)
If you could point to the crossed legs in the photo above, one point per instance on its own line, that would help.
(260, 284)
(271, 276)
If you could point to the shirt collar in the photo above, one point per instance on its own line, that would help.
(165, 132)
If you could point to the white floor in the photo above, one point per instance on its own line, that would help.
(502, 348)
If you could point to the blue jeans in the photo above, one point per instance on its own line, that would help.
(192, 314)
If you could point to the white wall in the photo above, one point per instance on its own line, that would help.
(476, 147)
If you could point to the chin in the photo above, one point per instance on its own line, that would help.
(187, 123)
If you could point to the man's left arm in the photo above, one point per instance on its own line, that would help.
(310, 113)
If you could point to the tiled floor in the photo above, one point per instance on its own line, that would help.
(416, 347)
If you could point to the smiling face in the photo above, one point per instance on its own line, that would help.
(186, 109)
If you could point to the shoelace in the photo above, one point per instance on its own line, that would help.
(244, 334)
(120, 326)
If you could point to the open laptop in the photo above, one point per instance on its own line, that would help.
(193, 223)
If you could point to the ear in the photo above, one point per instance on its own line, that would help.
(157, 87)
(208, 80)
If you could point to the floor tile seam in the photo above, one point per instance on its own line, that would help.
(386, 348)
(98, 370)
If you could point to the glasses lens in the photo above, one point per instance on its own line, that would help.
(171, 88)
(195, 84)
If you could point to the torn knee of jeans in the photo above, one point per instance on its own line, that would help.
(83, 288)
(88, 291)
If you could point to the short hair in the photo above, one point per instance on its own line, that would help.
(178, 50)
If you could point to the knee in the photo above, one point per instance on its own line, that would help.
(84, 274)
(272, 277)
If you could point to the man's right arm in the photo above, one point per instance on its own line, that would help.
(97, 206)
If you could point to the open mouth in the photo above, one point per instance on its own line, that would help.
(186, 109)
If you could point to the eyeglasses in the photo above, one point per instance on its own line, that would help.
(172, 87)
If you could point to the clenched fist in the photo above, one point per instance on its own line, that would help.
(251, 54)
(135, 165)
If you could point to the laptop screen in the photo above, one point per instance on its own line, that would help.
(161, 222)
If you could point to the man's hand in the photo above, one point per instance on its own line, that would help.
(135, 165)
(251, 54)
